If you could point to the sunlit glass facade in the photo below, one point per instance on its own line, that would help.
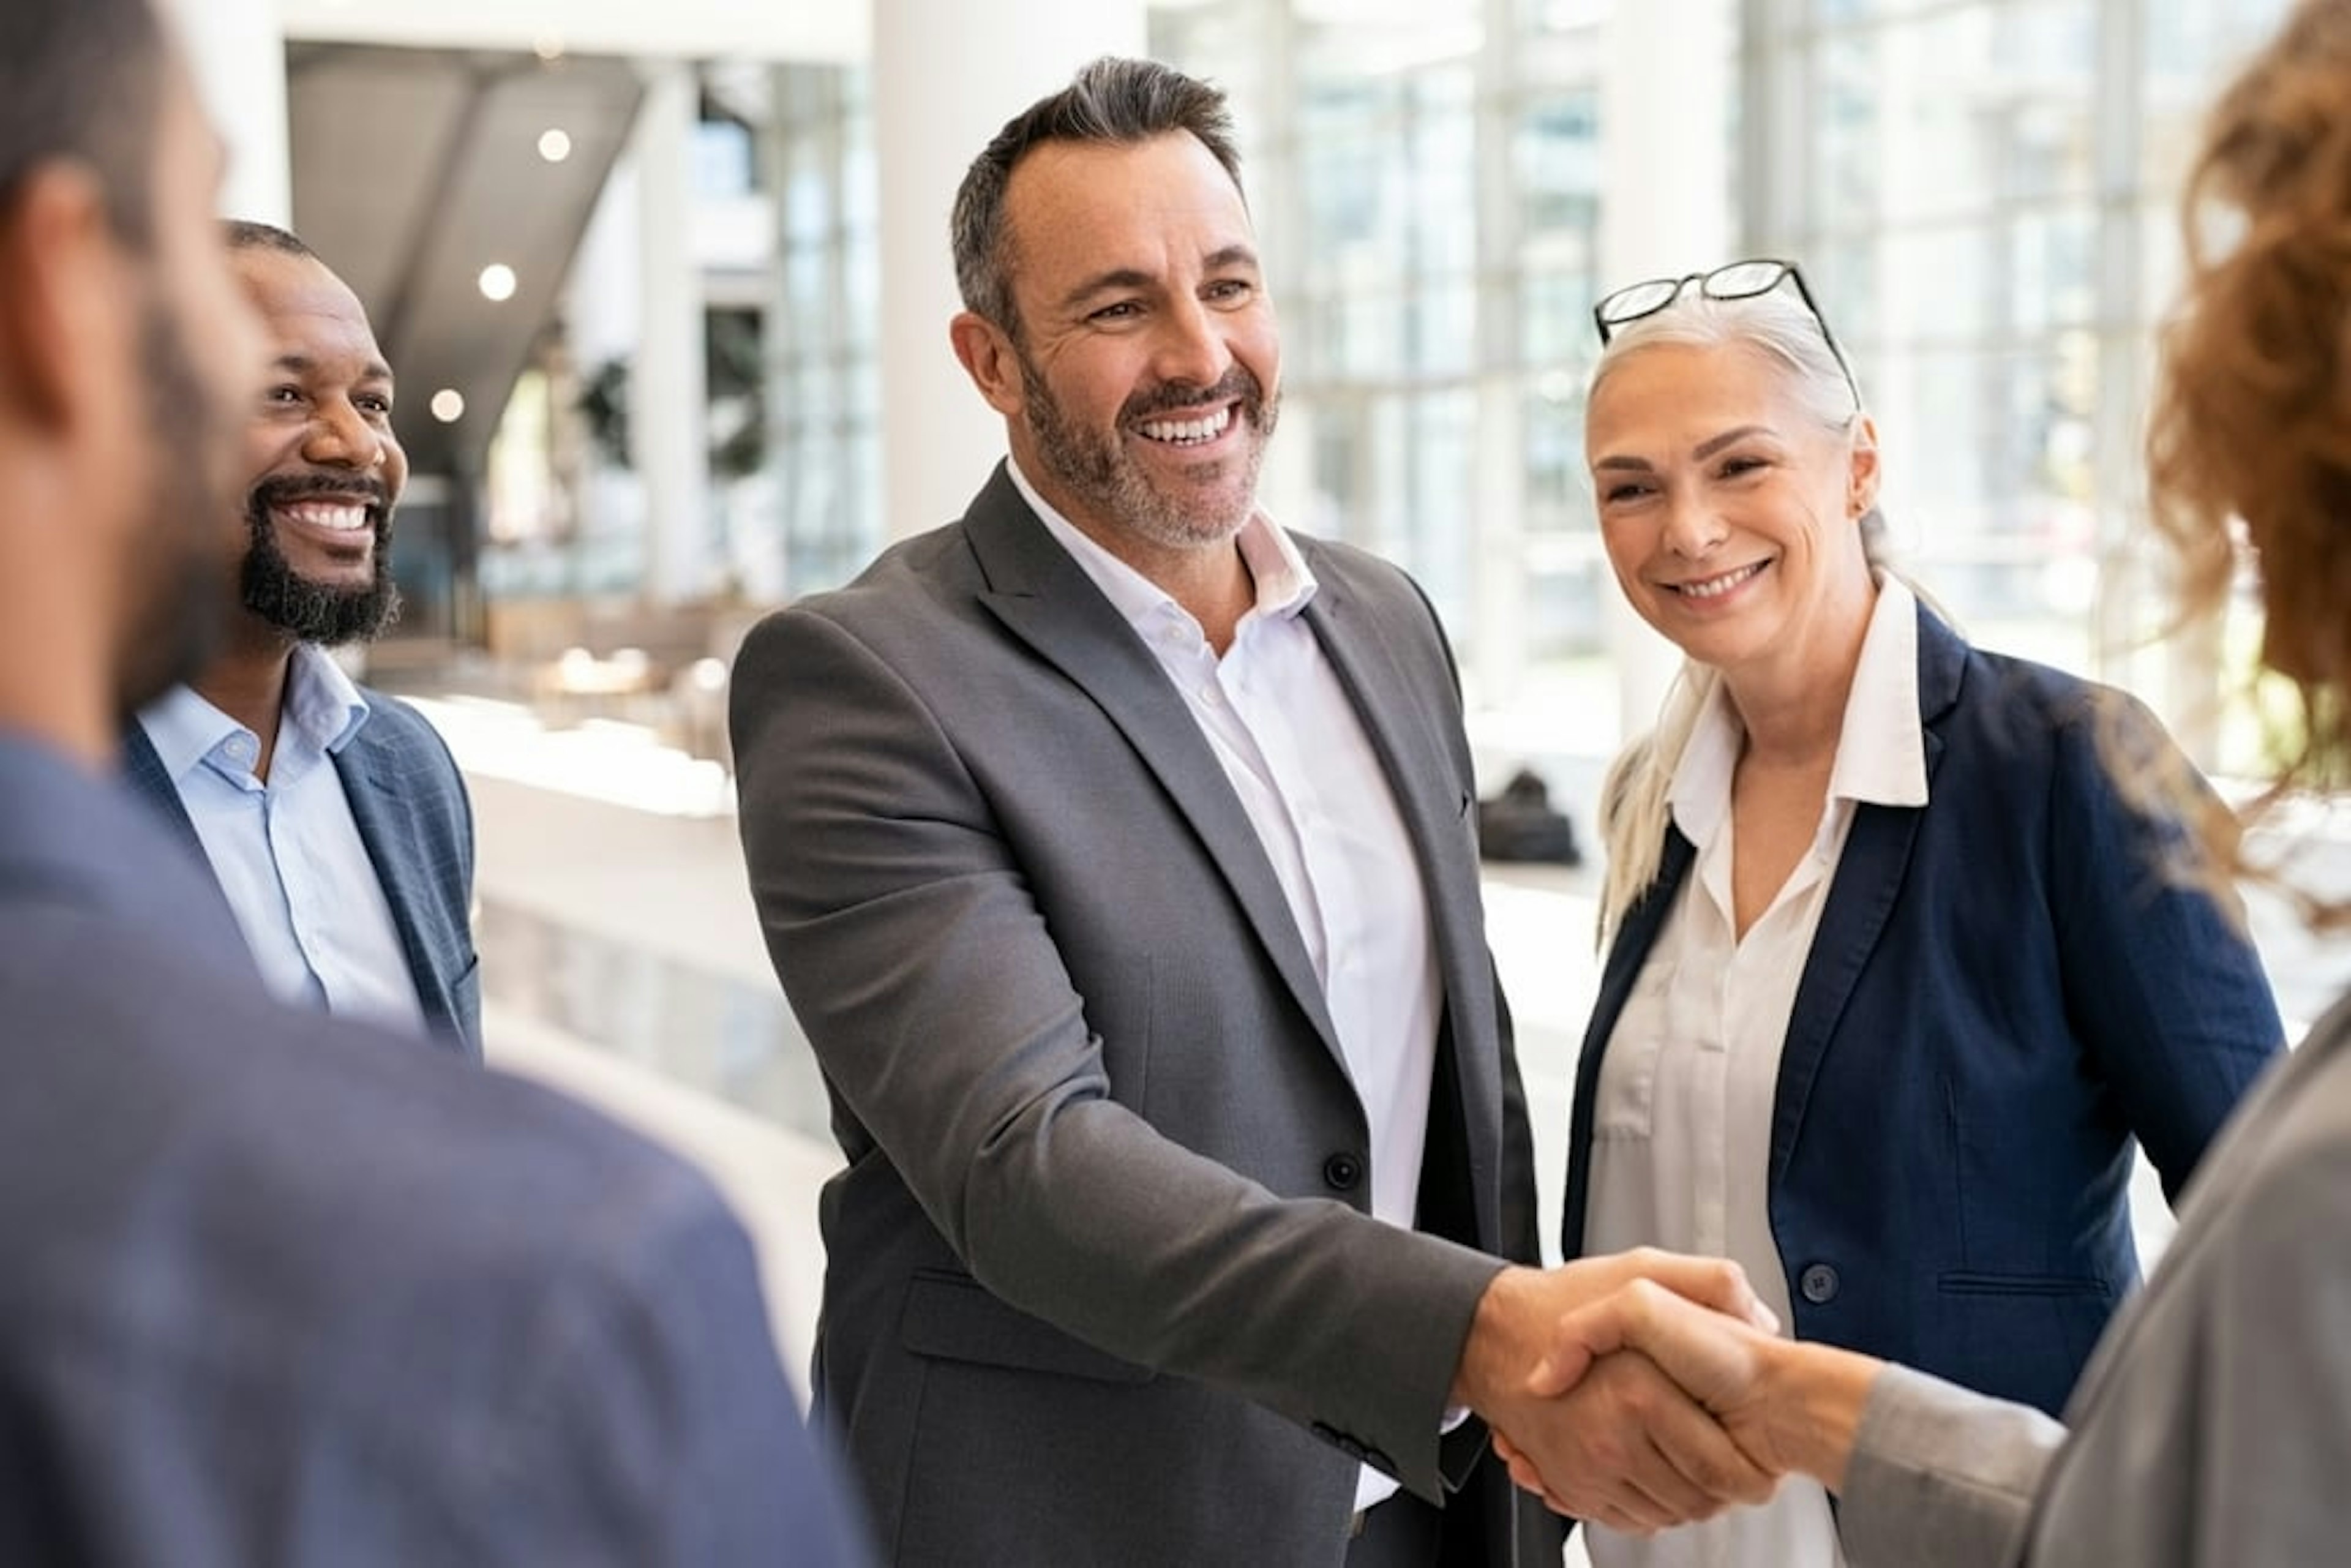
(1982, 195)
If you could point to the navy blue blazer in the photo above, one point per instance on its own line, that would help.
(284, 1288)
(410, 804)
(2002, 992)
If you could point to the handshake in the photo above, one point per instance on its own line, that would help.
(1648, 1389)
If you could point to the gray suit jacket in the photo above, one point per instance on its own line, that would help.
(283, 1289)
(1101, 1288)
(409, 801)
(2212, 1427)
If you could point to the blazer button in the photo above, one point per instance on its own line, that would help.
(1819, 1283)
(1342, 1171)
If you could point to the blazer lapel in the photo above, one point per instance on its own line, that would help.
(1435, 808)
(1425, 782)
(1626, 954)
(1046, 600)
(370, 772)
(144, 770)
(1869, 879)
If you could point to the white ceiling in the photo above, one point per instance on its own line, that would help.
(807, 30)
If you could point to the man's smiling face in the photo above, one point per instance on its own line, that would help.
(326, 468)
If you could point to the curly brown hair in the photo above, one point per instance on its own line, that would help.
(2251, 419)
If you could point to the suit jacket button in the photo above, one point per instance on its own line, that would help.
(1819, 1283)
(1342, 1171)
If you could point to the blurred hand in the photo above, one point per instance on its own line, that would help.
(1608, 1437)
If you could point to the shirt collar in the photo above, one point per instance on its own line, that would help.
(1284, 580)
(322, 703)
(1882, 750)
(323, 711)
(1881, 755)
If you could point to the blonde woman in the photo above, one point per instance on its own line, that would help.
(2213, 1426)
(1890, 990)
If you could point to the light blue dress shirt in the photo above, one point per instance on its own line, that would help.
(287, 853)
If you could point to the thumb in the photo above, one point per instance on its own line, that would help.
(1579, 1339)
(1715, 1283)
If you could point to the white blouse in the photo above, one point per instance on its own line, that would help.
(1682, 1121)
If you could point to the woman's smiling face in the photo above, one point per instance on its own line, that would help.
(1730, 512)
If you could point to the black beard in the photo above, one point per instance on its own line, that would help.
(304, 609)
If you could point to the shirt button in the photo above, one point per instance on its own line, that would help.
(1342, 1171)
(1819, 1284)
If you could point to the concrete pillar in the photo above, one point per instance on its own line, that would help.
(238, 49)
(1666, 152)
(946, 76)
(668, 390)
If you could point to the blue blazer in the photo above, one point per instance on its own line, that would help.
(410, 804)
(285, 1289)
(2003, 991)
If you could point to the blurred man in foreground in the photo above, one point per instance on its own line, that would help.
(279, 1288)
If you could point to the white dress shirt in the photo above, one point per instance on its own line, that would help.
(1682, 1121)
(287, 853)
(1275, 714)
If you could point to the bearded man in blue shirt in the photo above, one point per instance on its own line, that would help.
(332, 816)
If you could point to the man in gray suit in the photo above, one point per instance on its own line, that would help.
(1115, 850)
(332, 816)
(279, 1288)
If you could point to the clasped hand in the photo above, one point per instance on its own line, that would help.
(1625, 1389)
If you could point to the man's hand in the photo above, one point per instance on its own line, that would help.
(1619, 1443)
(1788, 1406)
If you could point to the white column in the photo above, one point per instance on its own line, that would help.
(238, 50)
(668, 384)
(1666, 207)
(948, 74)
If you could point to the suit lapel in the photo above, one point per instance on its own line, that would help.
(370, 772)
(1425, 781)
(1046, 600)
(1869, 880)
(1412, 754)
(144, 770)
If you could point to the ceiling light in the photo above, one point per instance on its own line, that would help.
(548, 48)
(448, 405)
(497, 282)
(554, 145)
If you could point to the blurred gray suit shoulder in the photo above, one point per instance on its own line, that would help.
(2214, 1424)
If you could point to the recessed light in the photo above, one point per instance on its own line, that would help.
(497, 282)
(554, 145)
(448, 405)
(548, 48)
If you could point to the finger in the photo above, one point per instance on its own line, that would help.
(1623, 1524)
(1713, 1358)
(1523, 1473)
(1609, 1462)
(1584, 1335)
(1714, 1282)
(1711, 1470)
(1571, 1356)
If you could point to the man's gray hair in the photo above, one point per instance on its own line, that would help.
(1110, 101)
